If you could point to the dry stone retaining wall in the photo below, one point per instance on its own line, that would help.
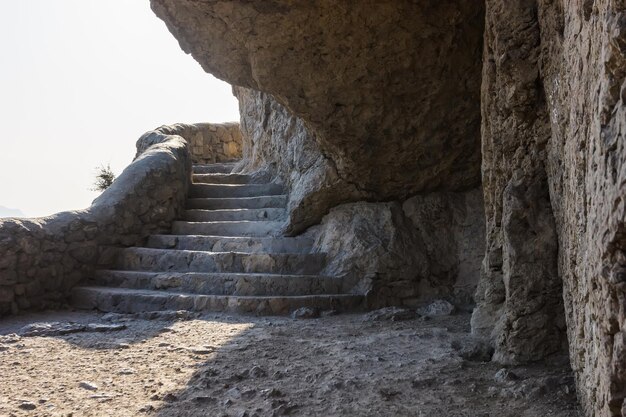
(210, 142)
(42, 259)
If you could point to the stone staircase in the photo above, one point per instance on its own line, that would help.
(224, 255)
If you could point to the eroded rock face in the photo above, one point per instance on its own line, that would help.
(279, 144)
(452, 228)
(401, 252)
(554, 175)
(387, 250)
(378, 101)
(373, 81)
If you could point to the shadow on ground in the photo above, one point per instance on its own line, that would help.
(220, 365)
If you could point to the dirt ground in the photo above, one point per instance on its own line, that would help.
(219, 365)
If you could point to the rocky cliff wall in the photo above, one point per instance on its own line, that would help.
(554, 176)
(371, 80)
(349, 106)
(407, 253)
(279, 144)
(404, 252)
(384, 103)
(42, 259)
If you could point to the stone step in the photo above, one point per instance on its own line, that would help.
(266, 201)
(234, 215)
(221, 168)
(167, 260)
(220, 283)
(221, 178)
(125, 300)
(227, 228)
(232, 244)
(233, 190)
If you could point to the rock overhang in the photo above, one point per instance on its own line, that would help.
(389, 90)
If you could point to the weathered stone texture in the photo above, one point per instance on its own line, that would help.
(451, 226)
(209, 142)
(519, 299)
(554, 175)
(399, 253)
(372, 80)
(387, 91)
(278, 144)
(42, 259)
(389, 250)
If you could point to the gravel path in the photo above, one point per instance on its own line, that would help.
(177, 364)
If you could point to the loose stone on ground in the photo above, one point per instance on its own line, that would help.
(216, 364)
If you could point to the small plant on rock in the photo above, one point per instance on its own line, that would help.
(104, 178)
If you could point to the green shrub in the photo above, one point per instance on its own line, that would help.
(104, 178)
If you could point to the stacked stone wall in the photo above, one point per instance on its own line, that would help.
(42, 259)
(210, 142)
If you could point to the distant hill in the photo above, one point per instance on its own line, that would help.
(9, 212)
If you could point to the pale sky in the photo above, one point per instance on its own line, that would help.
(80, 81)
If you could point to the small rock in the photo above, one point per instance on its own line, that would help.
(50, 329)
(113, 317)
(203, 350)
(504, 375)
(474, 350)
(146, 408)
(248, 394)
(203, 399)
(88, 385)
(257, 372)
(336, 385)
(305, 313)
(10, 338)
(101, 397)
(329, 313)
(127, 371)
(388, 394)
(170, 398)
(437, 308)
(284, 409)
(391, 314)
(234, 393)
(27, 405)
(97, 327)
(273, 393)
(110, 344)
